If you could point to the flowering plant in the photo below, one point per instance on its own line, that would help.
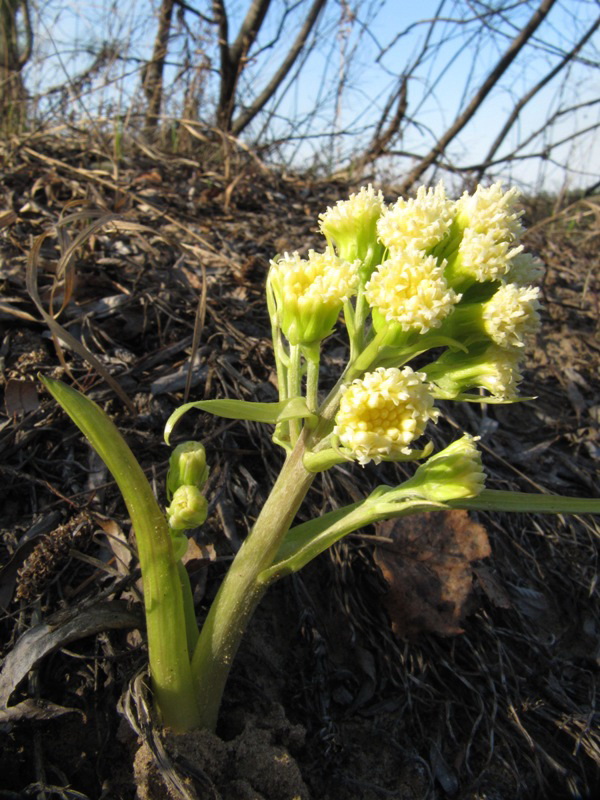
(443, 280)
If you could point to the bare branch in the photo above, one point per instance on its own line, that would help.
(489, 83)
(533, 91)
(246, 116)
(232, 56)
(26, 54)
(153, 74)
(248, 30)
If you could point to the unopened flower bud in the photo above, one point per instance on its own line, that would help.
(187, 467)
(452, 474)
(188, 508)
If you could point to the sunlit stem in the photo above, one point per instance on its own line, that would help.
(281, 434)
(294, 386)
(312, 354)
(191, 626)
(365, 359)
(360, 319)
(241, 590)
(351, 328)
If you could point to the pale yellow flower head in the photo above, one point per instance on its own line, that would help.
(503, 374)
(381, 414)
(420, 222)
(486, 256)
(512, 314)
(352, 224)
(525, 270)
(489, 367)
(309, 293)
(410, 289)
(491, 209)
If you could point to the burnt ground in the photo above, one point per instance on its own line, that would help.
(493, 697)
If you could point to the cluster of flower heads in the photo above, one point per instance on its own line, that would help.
(453, 272)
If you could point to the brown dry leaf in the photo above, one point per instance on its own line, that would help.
(117, 541)
(199, 554)
(428, 568)
(152, 178)
(7, 218)
(62, 628)
(20, 397)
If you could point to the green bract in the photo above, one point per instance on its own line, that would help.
(452, 474)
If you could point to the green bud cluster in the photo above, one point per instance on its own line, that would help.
(186, 477)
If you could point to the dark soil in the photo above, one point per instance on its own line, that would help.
(324, 701)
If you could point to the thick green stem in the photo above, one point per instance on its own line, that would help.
(312, 354)
(165, 617)
(241, 590)
(191, 626)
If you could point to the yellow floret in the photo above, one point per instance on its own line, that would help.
(486, 256)
(485, 367)
(512, 314)
(362, 209)
(491, 209)
(525, 270)
(420, 222)
(409, 289)
(381, 414)
(503, 376)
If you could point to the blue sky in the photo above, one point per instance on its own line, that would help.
(69, 34)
